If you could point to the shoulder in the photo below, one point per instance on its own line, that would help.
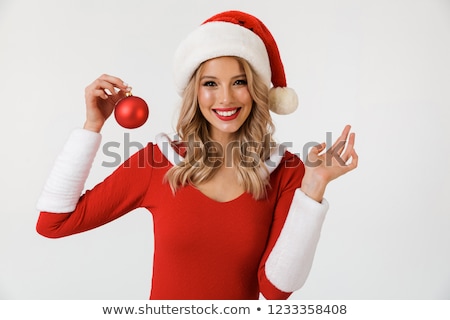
(162, 153)
(289, 171)
(171, 149)
(162, 150)
(281, 159)
(291, 161)
(146, 157)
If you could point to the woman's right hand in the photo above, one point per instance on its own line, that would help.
(101, 97)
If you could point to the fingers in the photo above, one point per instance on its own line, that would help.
(315, 151)
(339, 145)
(101, 97)
(319, 148)
(343, 153)
(114, 82)
(333, 163)
(349, 149)
(350, 155)
(106, 86)
(354, 163)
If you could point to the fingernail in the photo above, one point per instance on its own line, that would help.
(125, 84)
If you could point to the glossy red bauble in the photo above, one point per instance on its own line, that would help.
(131, 112)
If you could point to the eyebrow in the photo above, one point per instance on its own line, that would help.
(242, 75)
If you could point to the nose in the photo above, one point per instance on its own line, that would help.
(225, 95)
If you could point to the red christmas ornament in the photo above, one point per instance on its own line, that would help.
(131, 112)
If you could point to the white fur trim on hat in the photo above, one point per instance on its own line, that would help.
(217, 39)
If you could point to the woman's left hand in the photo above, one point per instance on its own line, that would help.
(323, 167)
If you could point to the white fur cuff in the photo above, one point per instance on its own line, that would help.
(70, 171)
(290, 261)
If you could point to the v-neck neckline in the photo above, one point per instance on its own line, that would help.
(231, 201)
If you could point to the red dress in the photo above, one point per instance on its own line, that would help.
(204, 249)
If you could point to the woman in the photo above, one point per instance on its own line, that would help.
(234, 214)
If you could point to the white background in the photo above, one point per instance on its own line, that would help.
(382, 66)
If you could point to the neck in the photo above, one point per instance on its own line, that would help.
(225, 140)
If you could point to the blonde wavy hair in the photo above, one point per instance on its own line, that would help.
(248, 151)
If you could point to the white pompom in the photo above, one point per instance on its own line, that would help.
(283, 100)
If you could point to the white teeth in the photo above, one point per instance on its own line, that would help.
(226, 113)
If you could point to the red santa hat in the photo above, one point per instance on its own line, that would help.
(235, 33)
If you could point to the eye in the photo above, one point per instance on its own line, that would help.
(240, 82)
(209, 84)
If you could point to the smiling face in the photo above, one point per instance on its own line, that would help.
(223, 96)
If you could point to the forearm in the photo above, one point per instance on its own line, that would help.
(313, 187)
(91, 126)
